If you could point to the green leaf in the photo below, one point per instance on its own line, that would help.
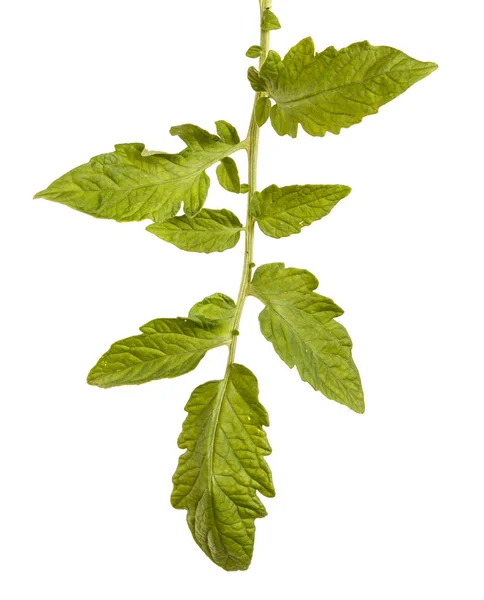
(244, 188)
(132, 184)
(228, 175)
(216, 311)
(227, 133)
(254, 52)
(256, 81)
(223, 468)
(209, 231)
(274, 279)
(334, 89)
(262, 111)
(283, 211)
(300, 325)
(166, 348)
(269, 21)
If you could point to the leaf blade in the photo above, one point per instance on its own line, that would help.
(254, 52)
(133, 184)
(223, 468)
(269, 21)
(281, 212)
(255, 79)
(334, 89)
(166, 348)
(228, 175)
(262, 111)
(208, 231)
(227, 133)
(301, 327)
(217, 311)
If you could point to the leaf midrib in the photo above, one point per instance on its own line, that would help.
(209, 232)
(128, 350)
(313, 351)
(214, 424)
(192, 175)
(335, 89)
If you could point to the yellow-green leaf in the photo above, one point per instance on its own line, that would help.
(262, 110)
(333, 89)
(269, 21)
(253, 52)
(224, 467)
(209, 231)
(166, 348)
(228, 175)
(132, 184)
(301, 326)
(217, 311)
(280, 212)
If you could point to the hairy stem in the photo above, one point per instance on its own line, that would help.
(252, 153)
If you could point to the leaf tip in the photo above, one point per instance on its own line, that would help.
(358, 406)
(152, 228)
(39, 195)
(91, 379)
(94, 377)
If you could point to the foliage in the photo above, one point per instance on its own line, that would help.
(223, 436)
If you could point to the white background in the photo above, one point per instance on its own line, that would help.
(384, 506)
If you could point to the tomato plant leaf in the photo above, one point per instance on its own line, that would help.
(281, 212)
(228, 175)
(301, 326)
(329, 90)
(224, 467)
(132, 184)
(209, 231)
(166, 348)
(269, 21)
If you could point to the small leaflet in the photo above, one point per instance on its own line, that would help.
(254, 52)
(269, 21)
(209, 231)
(262, 111)
(228, 175)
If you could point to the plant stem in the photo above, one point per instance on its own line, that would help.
(251, 144)
(252, 154)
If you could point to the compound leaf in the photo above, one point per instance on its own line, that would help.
(335, 88)
(223, 468)
(132, 184)
(209, 231)
(280, 212)
(166, 348)
(228, 175)
(300, 325)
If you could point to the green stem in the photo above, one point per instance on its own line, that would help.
(252, 153)
(251, 144)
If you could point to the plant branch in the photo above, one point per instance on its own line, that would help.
(252, 153)
(251, 144)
